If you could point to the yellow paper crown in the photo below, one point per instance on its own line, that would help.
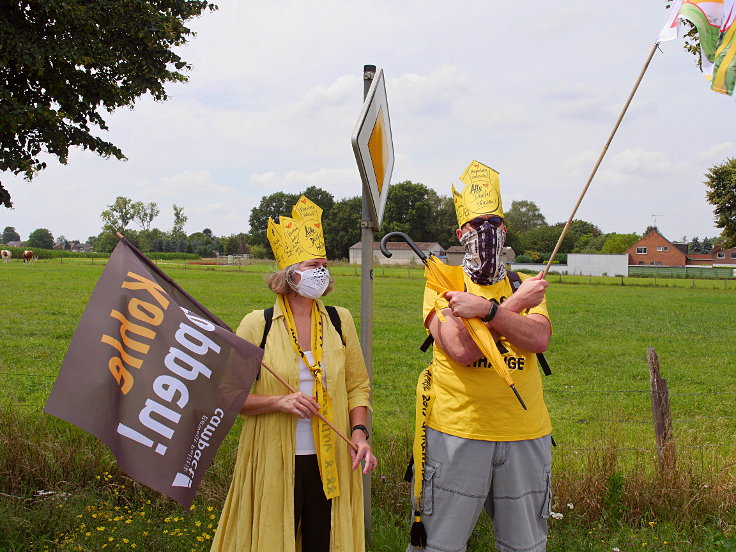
(481, 195)
(300, 237)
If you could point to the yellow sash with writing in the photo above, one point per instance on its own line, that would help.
(425, 398)
(323, 435)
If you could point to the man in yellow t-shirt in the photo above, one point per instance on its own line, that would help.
(480, 447)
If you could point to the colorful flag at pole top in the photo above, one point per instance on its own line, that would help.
(154, 375)
(714, 21)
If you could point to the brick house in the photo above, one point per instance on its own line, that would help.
(703, 259)
(723, 256)
(655, 249)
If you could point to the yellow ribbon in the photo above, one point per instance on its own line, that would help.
(323, 435)
(425, 399)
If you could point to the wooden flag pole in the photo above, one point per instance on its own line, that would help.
(600, 158)
(319, 415)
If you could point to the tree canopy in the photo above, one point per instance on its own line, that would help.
(41, 239)
(420, 212)
(616, 244)
(411, 207)
(9, 234)
(63, 64)
(544, 238)
(270, 206)
(523, 216)
(343, 227)
(143, 214)
(118, 215)
(721, 182)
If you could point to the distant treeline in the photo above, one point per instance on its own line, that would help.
(61, 253)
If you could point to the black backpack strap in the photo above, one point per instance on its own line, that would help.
(336, 322)
(427, 343)
(515, 280)
(543, 364)
(268, 317)
(331, 312)
(409, 473)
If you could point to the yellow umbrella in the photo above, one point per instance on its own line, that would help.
(441, 278)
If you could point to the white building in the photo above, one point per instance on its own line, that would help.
(597, 265)
(584, 265)
(401, 253)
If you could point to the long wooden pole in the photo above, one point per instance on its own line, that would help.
(600, 158)
(319, 415)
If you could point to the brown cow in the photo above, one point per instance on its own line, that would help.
(27, 256)
(6, 255)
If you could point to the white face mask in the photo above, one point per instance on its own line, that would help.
(313, 282)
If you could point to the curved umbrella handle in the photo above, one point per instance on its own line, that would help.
(404, 237)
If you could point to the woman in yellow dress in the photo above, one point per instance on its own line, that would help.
(296, 484)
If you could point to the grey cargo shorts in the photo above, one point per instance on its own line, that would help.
(512, 479)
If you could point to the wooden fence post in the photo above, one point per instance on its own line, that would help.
(661, 413)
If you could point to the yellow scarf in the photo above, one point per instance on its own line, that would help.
(425, 398)
(322, 433)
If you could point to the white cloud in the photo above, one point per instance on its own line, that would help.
(719, 152)
(578, 164)
(335, 181)
(636, 161)
(277, 88)
(186, 183)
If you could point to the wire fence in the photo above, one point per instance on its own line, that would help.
(408, 390)
(689, 277)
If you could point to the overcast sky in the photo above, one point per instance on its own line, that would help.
(533, 90)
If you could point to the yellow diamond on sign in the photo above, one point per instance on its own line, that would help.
(379, 149)
(374, 148)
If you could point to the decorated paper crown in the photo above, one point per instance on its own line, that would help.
(481, 195)
(300, 237)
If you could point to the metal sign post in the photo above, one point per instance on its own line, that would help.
(374, 152)
(366, 307)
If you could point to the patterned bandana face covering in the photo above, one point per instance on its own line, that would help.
(313, 282)
(483, 247)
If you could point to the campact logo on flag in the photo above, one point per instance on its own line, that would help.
(154, 375)
(181, 480)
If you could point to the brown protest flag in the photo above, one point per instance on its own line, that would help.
(154, 375)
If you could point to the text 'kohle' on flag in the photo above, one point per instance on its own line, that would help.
(154, 375)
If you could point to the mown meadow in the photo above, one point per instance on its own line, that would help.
(61, 490)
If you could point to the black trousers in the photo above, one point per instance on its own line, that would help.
(311, 506)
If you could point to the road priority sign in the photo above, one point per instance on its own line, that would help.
(374, 147)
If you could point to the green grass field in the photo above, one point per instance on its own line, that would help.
(598, 396)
